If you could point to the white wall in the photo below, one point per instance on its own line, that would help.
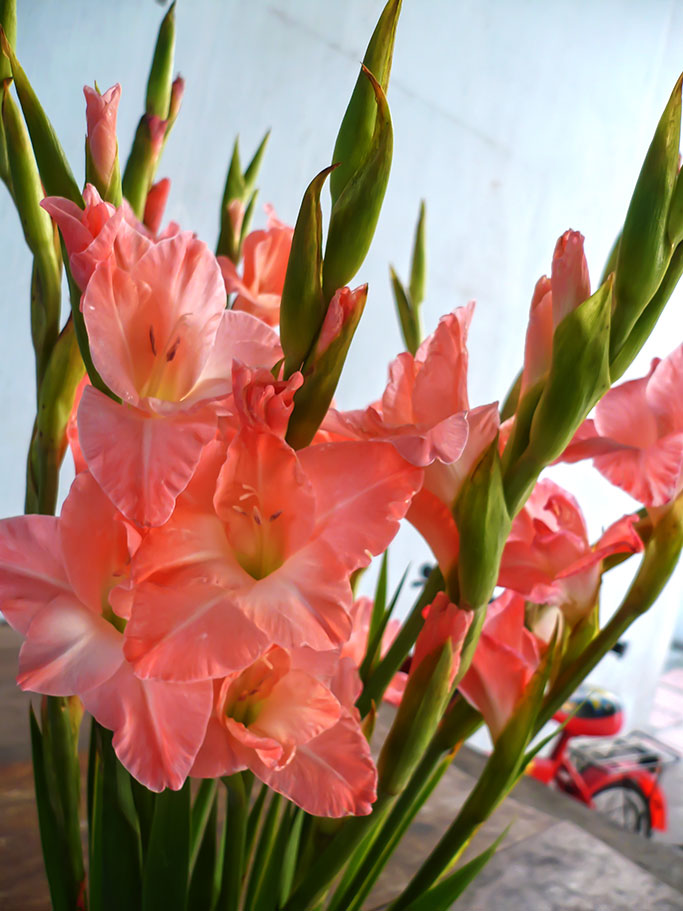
(515, 120)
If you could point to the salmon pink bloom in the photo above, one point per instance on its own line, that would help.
(260, 401)
(421, 424)
(553, 299)
(269, 561)
(505, 659)
(100, 114)
(636, 437)
(547, 558)
(277, 718)
(55, 586)
(162, 340)
(444, 622)
(265, 254)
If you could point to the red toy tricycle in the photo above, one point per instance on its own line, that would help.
(618, 777)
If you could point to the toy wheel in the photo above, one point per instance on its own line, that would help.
(625, 805)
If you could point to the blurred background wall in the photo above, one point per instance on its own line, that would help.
(514, 119)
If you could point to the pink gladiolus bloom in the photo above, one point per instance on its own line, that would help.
(505, 659)
(356, 645)
(636, 437)
(157, 196)
(55, 585)
(444, 622)
(548, 559)
(162, 340)
(275, 552)
(554, 298)
(265, 254)
(100, 114)
(421, 425)
(286, 723)
(260, 401)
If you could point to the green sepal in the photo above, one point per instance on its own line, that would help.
(65, 891)
(645, 248)
(356, 133)
(53, 167)
(202, 892)
(140, 167)
(410, 327)
(321, 373)
(158, 99)
(302, 306)
(166, 869)
(483, 524)
(418, 265)
(646, 321)
(46, 297)
(8, 22)
(442, 896)
(356, 208)
(115, 849)
(418, 715)
(579, 376)
(235, 189)
(252, 169)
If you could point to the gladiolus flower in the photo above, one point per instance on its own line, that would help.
(266, 254)
(505, 659)
(157, 196)
(57, 579)
(286, 725)
(275, 552)
(636, 438)
(444, 622)
(162, 340)
(548, 559)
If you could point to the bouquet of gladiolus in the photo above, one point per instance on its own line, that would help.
(196, 593)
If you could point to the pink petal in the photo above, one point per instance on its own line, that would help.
(444, 622)
(569, 276)
(665, 393)
(31, 567)
(623, 414)
(538, 345)
(94, 541)
(305, 602)
(158, 727)
(297, 710)
(331, 775)
(397, 400)
(362, 491)
(68, 649)
(165, 618)
(443, 365)
(218, 754)
(435, 522)
(153, 458)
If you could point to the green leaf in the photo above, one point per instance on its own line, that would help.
(64, 890)
(356, 133)
(378, 610)
(442, 896)
(355, 211)
(254, 166)
(290, 855)
(201, 808)
(166, 871)
(158, 100)
(302, 306)
(115, 849)
(263, 887)
(645, 248)
(202, 884)
(233, 845)
(53, 167)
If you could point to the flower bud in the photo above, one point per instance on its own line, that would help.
(101, 146)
